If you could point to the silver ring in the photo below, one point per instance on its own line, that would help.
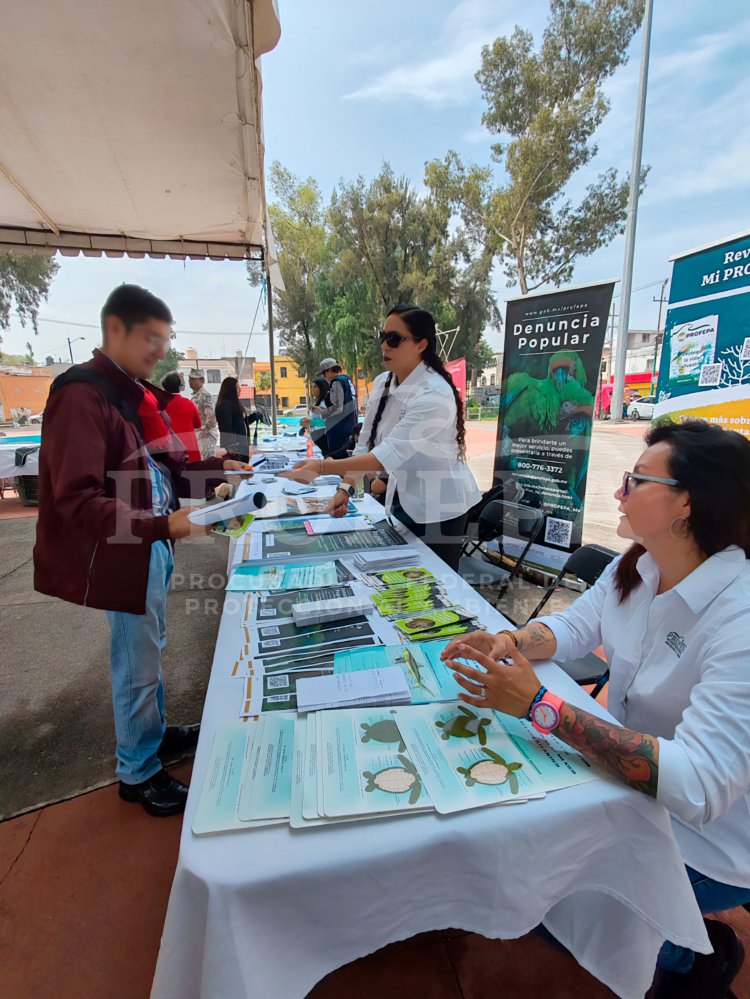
(482, 693)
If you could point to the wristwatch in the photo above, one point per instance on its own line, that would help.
(348, 489)
(544, 713)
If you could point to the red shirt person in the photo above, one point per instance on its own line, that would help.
(183, 414)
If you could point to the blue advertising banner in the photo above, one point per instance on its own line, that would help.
(551, 361)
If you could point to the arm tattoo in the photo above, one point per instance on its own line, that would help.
(630, 757)
(533, 635)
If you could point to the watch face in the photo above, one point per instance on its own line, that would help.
(545, 715)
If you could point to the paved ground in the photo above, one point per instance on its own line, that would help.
(56, 729)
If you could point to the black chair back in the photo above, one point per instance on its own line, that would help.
(587, 563)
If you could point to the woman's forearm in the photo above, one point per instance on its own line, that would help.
(630, 757)
(535, 640)
(359, 463)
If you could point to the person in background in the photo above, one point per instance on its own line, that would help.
(413, 432)
(183, 413)
(318, 418)
(232, 421)
(110, 472)
(207, 436)
(672, 614)
(340, 410)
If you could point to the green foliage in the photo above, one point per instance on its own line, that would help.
(263, 381)
(25, 280)
(378, 243)
(167, 364)
(545, 105)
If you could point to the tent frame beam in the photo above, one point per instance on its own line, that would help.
(71, 244)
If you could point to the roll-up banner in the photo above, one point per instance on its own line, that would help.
(551, 362)
(457, 370)
(705, 365)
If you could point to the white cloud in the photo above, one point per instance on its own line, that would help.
(446, 76)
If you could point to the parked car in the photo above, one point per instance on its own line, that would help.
(300, 410)
(642, 409)
(36, 418)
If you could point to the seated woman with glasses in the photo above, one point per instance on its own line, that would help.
(673, 615)
(413, 431)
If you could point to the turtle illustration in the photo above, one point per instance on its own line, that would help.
(396, 780)
(465, 726)
(383, 731)
(491, 771)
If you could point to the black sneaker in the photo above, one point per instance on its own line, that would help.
(178, 739)
(159, 795)
(712, 974)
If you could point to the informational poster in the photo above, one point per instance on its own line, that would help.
(551, 361)
(705, 367)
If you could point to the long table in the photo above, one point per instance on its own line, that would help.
(267, 913)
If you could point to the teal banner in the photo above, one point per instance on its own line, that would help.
(724, 267)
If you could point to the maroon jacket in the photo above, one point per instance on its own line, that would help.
(96, 523)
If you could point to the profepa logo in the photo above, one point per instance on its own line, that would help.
(676, 643)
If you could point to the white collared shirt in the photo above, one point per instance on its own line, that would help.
(680, 670)
(416, 445)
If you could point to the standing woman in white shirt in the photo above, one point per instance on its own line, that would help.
(673, 614)
(413, 431)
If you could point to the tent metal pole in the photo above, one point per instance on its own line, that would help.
(271, 351)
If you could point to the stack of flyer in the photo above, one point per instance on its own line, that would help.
(372, 561)
(367, 688)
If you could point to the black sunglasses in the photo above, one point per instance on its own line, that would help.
(393, 339)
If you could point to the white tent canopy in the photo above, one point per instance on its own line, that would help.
(133, 126)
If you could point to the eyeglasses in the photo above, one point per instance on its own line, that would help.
(639, 477)
(393, 339)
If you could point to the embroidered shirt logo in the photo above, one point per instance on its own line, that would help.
(676, 643)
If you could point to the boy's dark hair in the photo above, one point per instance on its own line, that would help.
(172, 383)
(133, 304)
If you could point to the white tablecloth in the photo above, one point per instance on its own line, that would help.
(265, 914)
(8, 461)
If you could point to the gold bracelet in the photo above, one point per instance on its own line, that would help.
(511, 635)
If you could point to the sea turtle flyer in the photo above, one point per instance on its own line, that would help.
(467, 757)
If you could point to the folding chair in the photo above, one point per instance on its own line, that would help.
(507, 489)
(524, 523)
(587, 563)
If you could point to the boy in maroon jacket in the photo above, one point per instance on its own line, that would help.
(110, 472)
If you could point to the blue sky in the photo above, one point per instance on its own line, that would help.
(352, 84)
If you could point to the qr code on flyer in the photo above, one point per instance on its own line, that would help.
(710, 374)
(274, 682)
(558, 532)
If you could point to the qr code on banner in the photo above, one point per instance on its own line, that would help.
(558, 532)
(745, 352)
(710, 374)
(274, 682)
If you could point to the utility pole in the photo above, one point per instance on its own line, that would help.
(659, 338)
(618, 392)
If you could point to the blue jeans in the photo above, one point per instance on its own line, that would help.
(711, 896)
(136, 645)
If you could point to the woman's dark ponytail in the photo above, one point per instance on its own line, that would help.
(422, 326)
(379, 413)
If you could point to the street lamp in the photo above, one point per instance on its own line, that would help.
(70, 348)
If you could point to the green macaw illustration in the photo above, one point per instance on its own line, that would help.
(465, 726)
(396, 780)
(492, 770)
(538, 406)
(385, 731)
